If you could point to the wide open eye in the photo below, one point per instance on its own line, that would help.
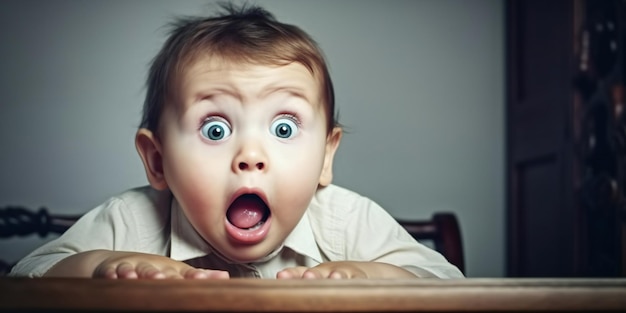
(215, 129)
(284, 128)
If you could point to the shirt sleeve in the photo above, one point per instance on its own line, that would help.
(97, 229)
(136, 220)
(371, 234)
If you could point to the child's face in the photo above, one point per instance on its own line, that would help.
(243, 148)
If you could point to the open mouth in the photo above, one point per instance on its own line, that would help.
(248, 212)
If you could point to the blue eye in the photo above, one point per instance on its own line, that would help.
(284, 128)
(215, 130)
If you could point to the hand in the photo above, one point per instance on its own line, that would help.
(130, 265)
(345, 270)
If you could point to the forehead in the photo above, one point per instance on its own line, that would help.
(245, 78)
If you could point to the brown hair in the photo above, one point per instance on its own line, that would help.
(245, 34)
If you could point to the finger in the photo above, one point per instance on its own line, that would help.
(345, 273)
(338, 274)
(194, 273)
(219, 275)
(108, 272)
(313, 273)
(292, 272)
(284, 274)
(126, 270)
(197, 273)
(171, 273)
(149, 271)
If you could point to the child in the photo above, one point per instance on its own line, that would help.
(237, 139)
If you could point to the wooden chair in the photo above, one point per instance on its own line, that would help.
(20, 222)
(443, 230)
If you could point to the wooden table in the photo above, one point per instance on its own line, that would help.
(237, 295)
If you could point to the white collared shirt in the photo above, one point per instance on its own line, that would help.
(339, 225)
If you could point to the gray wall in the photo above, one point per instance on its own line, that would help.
(419, 86)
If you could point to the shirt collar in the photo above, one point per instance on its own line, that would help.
(187, 244)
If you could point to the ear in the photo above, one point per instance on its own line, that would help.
(332, 143)
(149, 149)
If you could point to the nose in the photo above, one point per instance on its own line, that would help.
(250, 157)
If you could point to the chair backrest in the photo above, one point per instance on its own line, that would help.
(20, 221)
(443, 230)
(445, 233)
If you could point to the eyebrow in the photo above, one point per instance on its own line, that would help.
(265, 92)
(291, 89)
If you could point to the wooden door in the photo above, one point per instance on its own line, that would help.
(541, 214)
(566, 138)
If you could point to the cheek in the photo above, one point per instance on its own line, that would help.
(186, 160)
(185, 170)
(201, 198)
(193, 177)
(297, 191)
(188, 182)
(297, 179)
(301, 162)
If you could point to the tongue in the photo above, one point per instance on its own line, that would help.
(246, 211)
